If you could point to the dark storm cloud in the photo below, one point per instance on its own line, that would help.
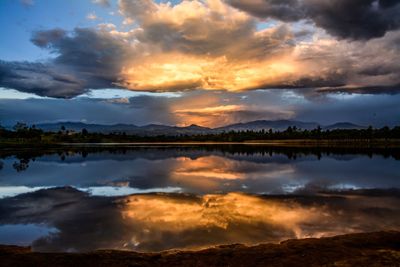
(85, 59)
(355, 66)
(392, 89)
(87, 51)
(286, 10)
(48, 39)
(329, 79)
(353, 19)
(356, 19)
(376, 70)
(40, 78)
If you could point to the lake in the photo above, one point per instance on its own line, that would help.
(153, 198)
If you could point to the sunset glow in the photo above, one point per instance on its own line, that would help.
(222, 127)
(180, 72)
(223, 61)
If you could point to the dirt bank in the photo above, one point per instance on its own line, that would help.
(365, 249)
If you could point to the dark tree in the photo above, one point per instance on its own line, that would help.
(20, 126)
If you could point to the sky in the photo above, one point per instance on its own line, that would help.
(205, 62)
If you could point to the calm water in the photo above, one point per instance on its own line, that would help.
(188, 197)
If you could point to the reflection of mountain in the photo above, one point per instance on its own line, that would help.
(252, 153)
(153, 222)
(156, 129)
(199, 169)
(343, 125)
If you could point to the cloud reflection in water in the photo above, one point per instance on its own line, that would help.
(153, 222)
(158, 198)
(194, 170)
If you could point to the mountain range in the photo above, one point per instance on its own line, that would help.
(159, 129)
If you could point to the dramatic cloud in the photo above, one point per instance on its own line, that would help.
(84, 59)
(204, 45)
(354, 19)
(40, 79)
(219, 45)
(363, 67)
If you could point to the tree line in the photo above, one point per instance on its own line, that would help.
(22, 133)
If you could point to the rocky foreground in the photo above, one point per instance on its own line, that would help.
(366, 249)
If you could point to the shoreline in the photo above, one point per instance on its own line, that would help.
(372, 143)
(360, 249)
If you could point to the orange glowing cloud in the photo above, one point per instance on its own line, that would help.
(180, 72)
(213, 45)
(212, 110)
(207, 116)
(203, 45)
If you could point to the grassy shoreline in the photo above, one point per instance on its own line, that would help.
(362, 249)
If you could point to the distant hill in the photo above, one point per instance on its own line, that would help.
(159, 129)
(343, 125)
(78, 126)
(278, 125)
(151, 129)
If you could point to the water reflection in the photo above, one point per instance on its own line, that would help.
(197, 170)
(153, 222)
(189, 197)
(23, 234)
